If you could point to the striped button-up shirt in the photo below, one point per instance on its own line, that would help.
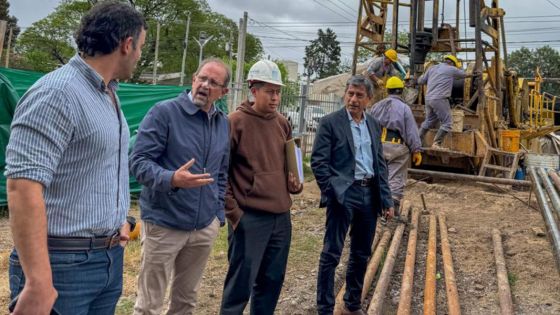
(68, 135)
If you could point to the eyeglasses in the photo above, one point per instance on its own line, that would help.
(211, 82)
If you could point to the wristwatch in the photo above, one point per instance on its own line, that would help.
(132, 221)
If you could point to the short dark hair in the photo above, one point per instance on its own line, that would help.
(221, 63)
(360, 80)
(106, 25)
(394, 91)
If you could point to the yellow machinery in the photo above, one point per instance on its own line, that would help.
(496, 103)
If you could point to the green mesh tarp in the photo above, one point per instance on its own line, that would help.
(136, 100)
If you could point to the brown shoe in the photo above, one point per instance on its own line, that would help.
(345, 311)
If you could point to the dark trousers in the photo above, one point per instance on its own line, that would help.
(357, 211)
(257, 254)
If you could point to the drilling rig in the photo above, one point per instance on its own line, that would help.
(502, 115)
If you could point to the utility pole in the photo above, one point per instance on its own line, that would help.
(185, 44)
(240, 59)
(230, 47)
(3, 26)
(154, 76)
(9, 47)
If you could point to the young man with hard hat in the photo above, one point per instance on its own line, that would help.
(258, 197)
(399, 136)
(380, 67)
(439, 79)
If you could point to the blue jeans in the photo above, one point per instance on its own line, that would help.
(88, 282)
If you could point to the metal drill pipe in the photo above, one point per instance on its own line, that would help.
(408, 274)
(469, 178)
(430, 279)
(453, 305)
(376, 303)
(551, 224)
(504, 291)
(552, 193)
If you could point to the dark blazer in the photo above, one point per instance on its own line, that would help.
(333, 159)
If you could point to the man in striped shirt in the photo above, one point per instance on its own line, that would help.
(67, 170)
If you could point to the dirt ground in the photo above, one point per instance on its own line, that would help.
(472, 211)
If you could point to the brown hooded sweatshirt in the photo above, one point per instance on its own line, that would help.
(258, 179)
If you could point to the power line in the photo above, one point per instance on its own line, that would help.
(552, 4)
(349, 7)
(351, 13)
(333, 11)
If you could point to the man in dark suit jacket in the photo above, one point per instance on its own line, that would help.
(348, 164)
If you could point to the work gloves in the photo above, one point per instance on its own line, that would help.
(417, 158)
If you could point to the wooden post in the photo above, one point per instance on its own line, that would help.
(430, 280)
(504, 292)
(376, 304)
(408, 274)
(453, 306)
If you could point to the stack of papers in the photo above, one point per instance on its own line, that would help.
(294, 158)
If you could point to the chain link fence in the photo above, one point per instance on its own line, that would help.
(295, 101)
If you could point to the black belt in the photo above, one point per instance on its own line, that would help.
(82, 243)
(364, 182)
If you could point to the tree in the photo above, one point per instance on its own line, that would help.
(525, 61)
(48, 43)
(12, 21)
(322, 56)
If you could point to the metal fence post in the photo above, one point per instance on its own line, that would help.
(301, 123)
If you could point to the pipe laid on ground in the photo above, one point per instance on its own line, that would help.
(430, 279)
(552, 193)
(474, 178)
(374, 262)
(339, 301)
(408, 273)
(555, 179)
(453, 306)
(376, 302)
(554, 176)
(551, 224)
(504, 292)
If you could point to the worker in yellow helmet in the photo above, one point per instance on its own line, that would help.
(399, 136)
(439, 79)
(380, 67)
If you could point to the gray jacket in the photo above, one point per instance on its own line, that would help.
(440, 80)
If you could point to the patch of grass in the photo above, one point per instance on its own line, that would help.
(307, 172)
(125, 306)
(512, 279)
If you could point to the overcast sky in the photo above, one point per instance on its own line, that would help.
(286, 26)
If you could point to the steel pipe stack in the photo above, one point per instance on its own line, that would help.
(548, 202)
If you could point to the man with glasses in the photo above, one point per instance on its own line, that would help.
(258, 197)
(181, 158)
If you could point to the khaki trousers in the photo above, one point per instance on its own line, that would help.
(167, 253)
(397, 157)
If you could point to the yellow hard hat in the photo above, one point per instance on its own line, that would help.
(391, 54)
(394, 83)
(452, 58)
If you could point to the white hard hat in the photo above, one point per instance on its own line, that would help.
(265, 71)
